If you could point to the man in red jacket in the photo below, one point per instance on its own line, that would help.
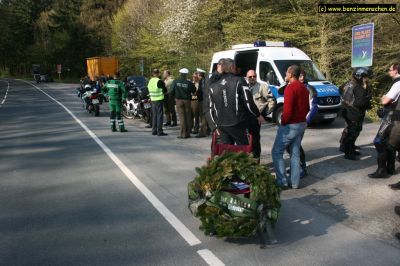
(291, 131)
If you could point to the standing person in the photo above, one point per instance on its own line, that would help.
(157, 90)
(291, 131)
(356, 100)
(230, 99)
(387, 140)
(260, 93)
(169, 107)
(117, 93)
(313, 111)
(203, 132)
(182, 90)
(195, 115)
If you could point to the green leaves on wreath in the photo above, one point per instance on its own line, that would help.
(217, 174)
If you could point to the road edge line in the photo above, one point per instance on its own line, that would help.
(210, 258)
(186, 234)
(6, 94)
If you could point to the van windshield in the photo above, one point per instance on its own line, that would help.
(312, 71)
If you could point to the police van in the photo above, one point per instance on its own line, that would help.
(271, 60)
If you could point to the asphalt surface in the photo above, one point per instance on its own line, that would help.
(63, 201)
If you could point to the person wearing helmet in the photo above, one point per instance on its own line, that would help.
(387, 139)
(356, 99)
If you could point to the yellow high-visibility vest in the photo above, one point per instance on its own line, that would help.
(156, 93)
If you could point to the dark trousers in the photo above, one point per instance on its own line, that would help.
(157, 115)
(254, 129)
(386, 155)
(353, 131)
(345, 132)
(203, 121)
(384, 159)
(183, 108)
(195, 115)
(169, 109)
(236, 134)
(387, 148)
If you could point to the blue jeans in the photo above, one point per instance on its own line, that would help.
(288, 136)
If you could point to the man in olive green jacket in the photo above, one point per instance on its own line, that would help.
(182, 90)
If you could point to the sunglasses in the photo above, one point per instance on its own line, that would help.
(252, 77)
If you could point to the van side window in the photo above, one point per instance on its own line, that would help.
(267, 73)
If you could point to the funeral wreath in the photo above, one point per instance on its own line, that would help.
(232, 195)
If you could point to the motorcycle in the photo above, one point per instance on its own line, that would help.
(37, 78)
(138, 104)
(91, 98)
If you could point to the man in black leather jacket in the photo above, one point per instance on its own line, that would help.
(354, 112)
(387, 140)
(229, 98)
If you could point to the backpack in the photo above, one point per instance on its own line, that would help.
(348, 94)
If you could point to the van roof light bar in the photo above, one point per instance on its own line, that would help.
(271, 44)
(261, 44)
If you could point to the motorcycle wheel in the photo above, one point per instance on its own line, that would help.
(125, 112)
(96, 110)
(146, 116)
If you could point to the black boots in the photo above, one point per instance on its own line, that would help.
(113, 127)
(379, 173)
(395, 186)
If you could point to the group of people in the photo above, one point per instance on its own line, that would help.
(234, 107)
(356, 99)
(170, 96)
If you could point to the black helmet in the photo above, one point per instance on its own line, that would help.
(362, 72)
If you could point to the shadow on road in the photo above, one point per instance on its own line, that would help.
(314, 219)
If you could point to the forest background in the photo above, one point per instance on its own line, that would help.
(170, 34)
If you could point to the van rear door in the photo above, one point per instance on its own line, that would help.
(246, 60)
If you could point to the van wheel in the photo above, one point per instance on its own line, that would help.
(277, 115)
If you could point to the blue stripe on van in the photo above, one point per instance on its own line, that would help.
(326, 90)
(322, 90)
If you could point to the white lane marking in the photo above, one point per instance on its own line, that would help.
(190, 238)
(210, 258)
(5, 95)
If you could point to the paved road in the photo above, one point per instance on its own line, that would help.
(64, 201)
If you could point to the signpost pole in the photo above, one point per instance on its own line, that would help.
(59, 67)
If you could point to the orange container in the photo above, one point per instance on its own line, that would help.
(102, 66)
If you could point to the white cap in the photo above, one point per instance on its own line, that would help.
(200, 70)
(184, 71)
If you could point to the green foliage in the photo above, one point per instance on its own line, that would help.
(215, 177)
(50, 32)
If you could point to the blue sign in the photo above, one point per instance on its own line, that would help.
(362, 45)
